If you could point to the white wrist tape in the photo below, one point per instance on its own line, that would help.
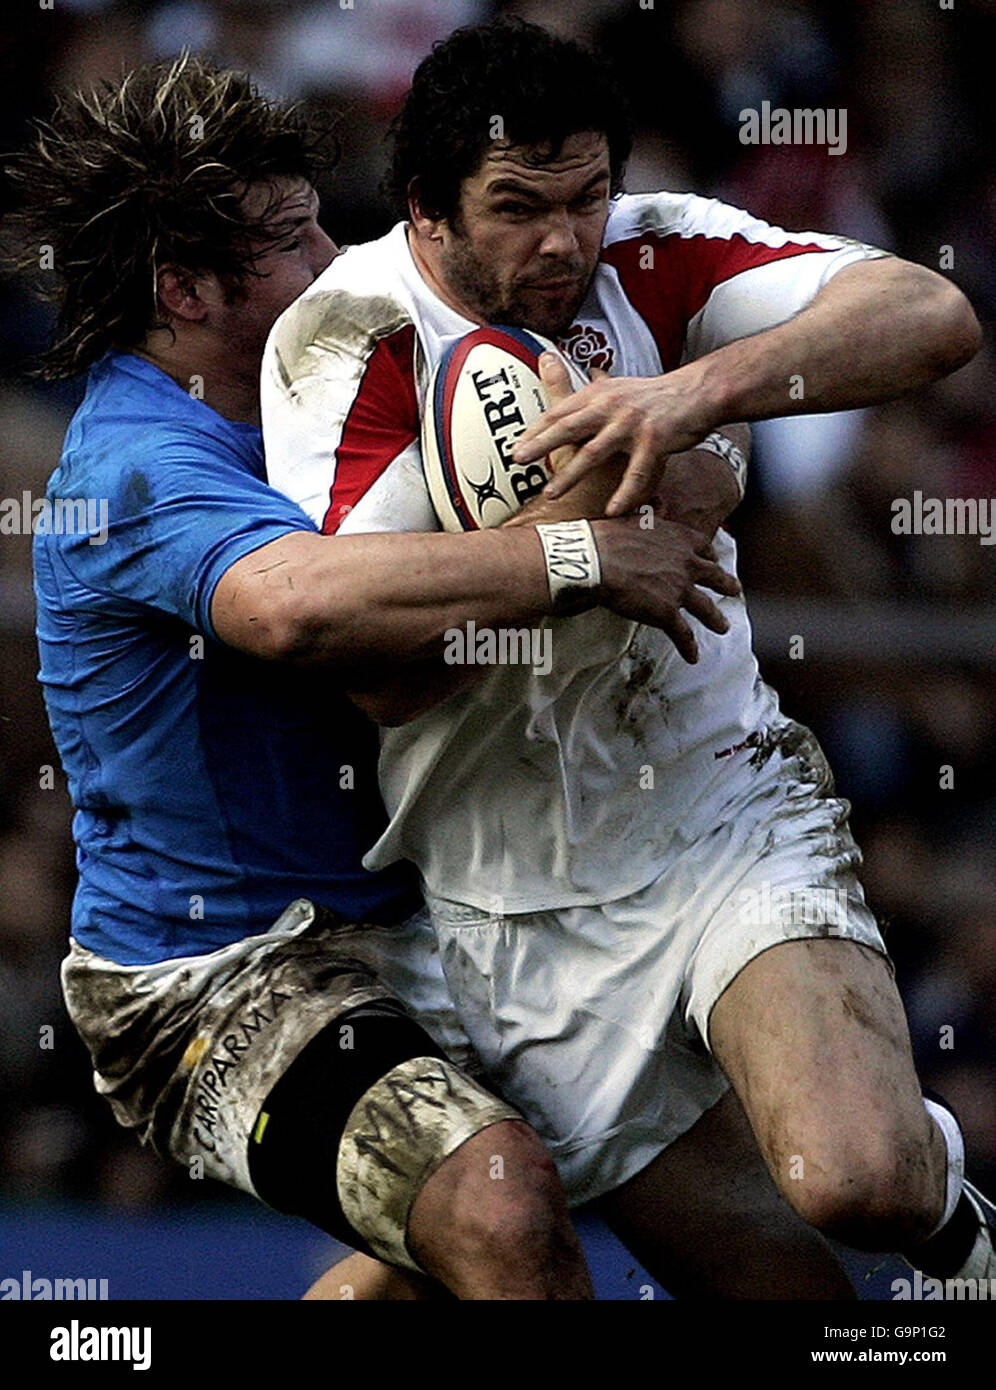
(719, 445)
(572, 564)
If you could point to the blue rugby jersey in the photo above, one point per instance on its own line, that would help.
(210, 788)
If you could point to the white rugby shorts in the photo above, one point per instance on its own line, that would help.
(593, 1021)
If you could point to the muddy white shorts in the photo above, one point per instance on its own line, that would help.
(593, 1021)
(318, 1065)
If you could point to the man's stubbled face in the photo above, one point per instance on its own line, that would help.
(523, 248)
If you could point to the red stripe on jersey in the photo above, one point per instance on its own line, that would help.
(684, 272)
(382, 422)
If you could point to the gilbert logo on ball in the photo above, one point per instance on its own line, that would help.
(484, 393)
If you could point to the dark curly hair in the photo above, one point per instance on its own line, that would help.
(138, 173)
(543, 87)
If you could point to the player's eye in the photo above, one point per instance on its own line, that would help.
(293, 239)
(515, 209)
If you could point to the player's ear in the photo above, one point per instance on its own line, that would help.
(179, 293)
(426, 225)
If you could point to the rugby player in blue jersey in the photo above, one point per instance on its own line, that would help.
(234, 971)
(247, 991)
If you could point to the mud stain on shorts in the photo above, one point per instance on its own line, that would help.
(791, 741)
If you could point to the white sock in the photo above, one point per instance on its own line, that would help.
(981, 1263)
(955, 1145)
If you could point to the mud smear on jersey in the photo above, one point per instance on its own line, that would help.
(639, 700)
(138, 497)
(334, 323)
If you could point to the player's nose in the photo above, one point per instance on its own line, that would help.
(324, 252)
(560, 236)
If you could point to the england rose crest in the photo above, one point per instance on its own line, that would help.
(588, 347)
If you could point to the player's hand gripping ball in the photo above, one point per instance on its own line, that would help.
(485, 391)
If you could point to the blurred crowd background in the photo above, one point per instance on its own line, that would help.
(899, 649)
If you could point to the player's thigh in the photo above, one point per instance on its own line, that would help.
(706, 1218)
(813, 1037)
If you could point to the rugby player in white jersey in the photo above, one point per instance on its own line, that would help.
(621, 856)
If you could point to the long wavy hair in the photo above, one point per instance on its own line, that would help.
(142, 172)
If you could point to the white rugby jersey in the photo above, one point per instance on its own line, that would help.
(538, 791)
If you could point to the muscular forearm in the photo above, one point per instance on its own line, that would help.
(353, 601)
(448, 580)
(698, 490)
(878, 330)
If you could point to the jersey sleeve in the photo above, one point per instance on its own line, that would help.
(703, 274)
(178, 517)
(341, 417)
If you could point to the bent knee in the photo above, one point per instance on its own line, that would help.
(878, 1202)
(503, 1194)
(505, 1175)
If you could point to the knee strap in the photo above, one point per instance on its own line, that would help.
(360, 1120)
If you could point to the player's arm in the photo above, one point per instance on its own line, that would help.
(396, 696)
(878, 329)
(698, 492)
(358, 601)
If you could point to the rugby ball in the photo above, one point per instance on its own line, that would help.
(484, 393)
